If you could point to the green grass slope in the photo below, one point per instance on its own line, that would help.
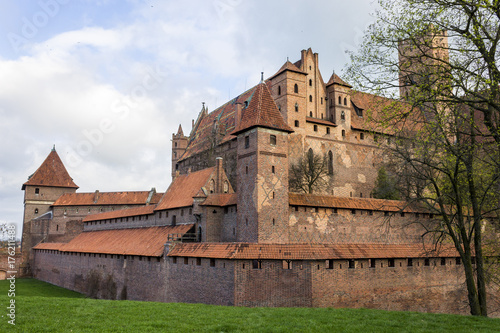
(41, 307)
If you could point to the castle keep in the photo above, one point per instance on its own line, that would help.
(229, 231)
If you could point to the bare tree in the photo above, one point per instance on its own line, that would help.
(442, 57)
(308, 174)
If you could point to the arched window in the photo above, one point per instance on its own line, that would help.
(310, 153)
(296, 88)
(345, 101)
(340, 100)
(296, 107)
(322, 100)
(310, 113)
(330, 162)
(279, 90)
(175, 144)
(272, 140)
(310, 82)
(212, 186)
(342, 115)
(226, 186)
(310, 98)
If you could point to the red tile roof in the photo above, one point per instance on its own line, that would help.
(320, 121)
(221, 200)
(137, 241)
(51, 173)
(306, 251)
(287, 66)
(184, 187)
(330, 201)
(261, 111)
(107, 198)
(337, 80)
(143, 210)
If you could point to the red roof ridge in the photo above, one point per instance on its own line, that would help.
(52, 172)
(261, 112)
(335, 79)
(287, 66)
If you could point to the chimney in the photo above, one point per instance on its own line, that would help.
(237, 119)
(219, 170)
(96, 196)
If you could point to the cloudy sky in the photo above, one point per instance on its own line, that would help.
(109, 81)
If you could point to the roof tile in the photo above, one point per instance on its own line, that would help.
(107, 198)
(51, 173)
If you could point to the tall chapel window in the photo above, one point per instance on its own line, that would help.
(345, 101)
(296, 88)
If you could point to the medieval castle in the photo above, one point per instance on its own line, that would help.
(229, 231)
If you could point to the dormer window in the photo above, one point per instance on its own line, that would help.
(246, 103)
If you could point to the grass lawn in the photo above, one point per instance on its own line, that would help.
(41, 307)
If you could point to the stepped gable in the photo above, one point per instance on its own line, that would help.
(330, 201)
(183, 188)
(261, 112)
(373, 107)
(108, 198)
(51, 173)
(287, 66)
(134, 241)
(307, 251)
(216, 125)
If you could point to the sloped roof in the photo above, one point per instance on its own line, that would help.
(136, 241)
(107, 198)
(374, 108)
(183, 188)
(221, 200)
(306, 251)
(261, 112)
(288, 66)
(136, 211)
(51, 173)
(330, 201)
(335, 79)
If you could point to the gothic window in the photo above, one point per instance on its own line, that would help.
(345, 101)
(342, 115)
(322, 100)
(272, 140)
(279, 90)
(330, 162)
(310, 98)
(310, 83)
(226, 186)
(310, 114)
(296, 88)
(296, 107)
(340, 100)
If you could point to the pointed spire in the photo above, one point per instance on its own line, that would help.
(54, 148)
(51, 173)
(261, 77)
(179, 131)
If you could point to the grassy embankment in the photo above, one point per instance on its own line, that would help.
(41, 307)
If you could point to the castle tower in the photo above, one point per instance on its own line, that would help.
(179, 145)
(419, 61)
(262, 170)
(42, 189)
(339, 102)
